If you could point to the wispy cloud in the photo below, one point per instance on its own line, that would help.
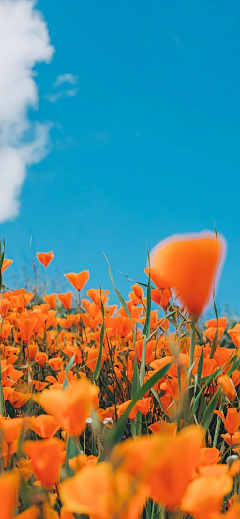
(52, 98)
(72, 92)
(61, 80)
(65, 78)
(24, 41)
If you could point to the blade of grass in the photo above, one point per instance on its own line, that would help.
(208, 413)
(215, 339)
(98, 364)
(67, 369)
(146, 329)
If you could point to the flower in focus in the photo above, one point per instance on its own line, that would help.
(45, 258)
(78, 280)
(6, 264)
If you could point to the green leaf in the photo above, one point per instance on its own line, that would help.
(98, 364)
(157, 397)
(146, 332)
(67, 369)
(135, 379)
(198, 376)
(215, 339)
(208, 413)
(146, 328)
(115, 435)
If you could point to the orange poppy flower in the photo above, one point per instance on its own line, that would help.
(47, 459)
(9, 484)
(72, 406)
(45, 258)
(165, 463)
(50, 300)
(235, 334)
(38, 385)
(66, 299)
(31, 513)
(98, 296)
(209, 456)
(44, 425)
(161, 297)
(26, 327)
(221, 323)
(78, 280)
(156, 278)
(31, 351)
(56, 363)
(5, 330)
(64, 514)
(232, 439)
(81, 461)
(17, 399)
(164, 428)
(204, 495)
(6, 264)
(4, 307)
(89, 491)
(226, 383)
(101, 493)
(211, 332)
(232, 420)
(141, 405)
(12, 428)
(41, 357)
(190, 264)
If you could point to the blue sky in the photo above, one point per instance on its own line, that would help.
(148, 147)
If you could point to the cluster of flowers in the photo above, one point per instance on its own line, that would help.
(121, 412)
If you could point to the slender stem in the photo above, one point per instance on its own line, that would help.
(217, 426)
(191, 353)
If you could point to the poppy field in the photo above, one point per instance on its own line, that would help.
(121, 411)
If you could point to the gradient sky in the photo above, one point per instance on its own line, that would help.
(149, 146)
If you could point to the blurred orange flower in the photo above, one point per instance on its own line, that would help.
(72, 406)
(190, 264)
(47, 459)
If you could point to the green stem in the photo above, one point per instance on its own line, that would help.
(191, 353)
(218, 425)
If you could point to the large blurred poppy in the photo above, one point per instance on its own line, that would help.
(189, 264)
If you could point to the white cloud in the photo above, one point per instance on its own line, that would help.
(71, 92)
(66, 78)
(52, 98)
(24, 41)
